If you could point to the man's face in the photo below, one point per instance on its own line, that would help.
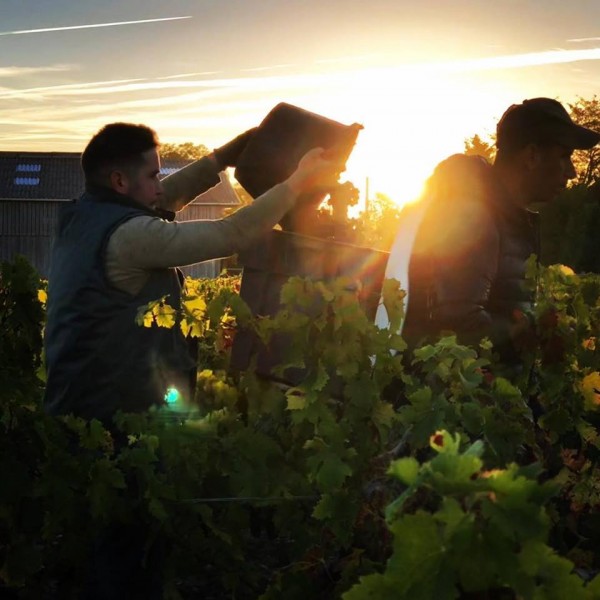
(551, 171)
(143, 184)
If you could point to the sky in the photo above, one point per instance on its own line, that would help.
(419, 76)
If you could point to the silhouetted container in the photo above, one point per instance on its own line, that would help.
(281, 255)
(280, 141)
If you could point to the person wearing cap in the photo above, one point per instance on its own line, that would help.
(117, 248)
(467, 268)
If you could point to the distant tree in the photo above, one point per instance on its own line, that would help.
(569, 229)
(587, 162)
(476, 146)
(243, 195)
(185, 151)
(377, 225)
(342, 197)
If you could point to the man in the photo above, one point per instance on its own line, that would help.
(116, 249)
(468, 262)
(115, 252)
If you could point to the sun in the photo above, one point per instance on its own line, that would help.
(376, 169)
(413, 119)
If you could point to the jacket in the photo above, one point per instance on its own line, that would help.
(467, 271)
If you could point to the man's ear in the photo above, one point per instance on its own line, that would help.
(119, 182)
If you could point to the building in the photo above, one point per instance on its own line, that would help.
(34, 186)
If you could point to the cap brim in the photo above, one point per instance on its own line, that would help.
(582, 138)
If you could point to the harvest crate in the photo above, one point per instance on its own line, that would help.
(281, 255)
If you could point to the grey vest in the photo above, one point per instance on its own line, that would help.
(98, 359)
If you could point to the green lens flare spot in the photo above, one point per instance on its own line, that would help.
(172, 396)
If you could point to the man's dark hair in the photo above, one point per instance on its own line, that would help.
(116, 146)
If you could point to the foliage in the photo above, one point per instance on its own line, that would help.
(184, 151)
(206, 316)
(569, 229)
(475, 146)
(496, 518)
(586, 112)
(377, 225)
(242, 194)
(344, 485)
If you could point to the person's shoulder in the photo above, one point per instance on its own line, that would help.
(461, 177)
(458, 207)
(460, 162)
(133, 228)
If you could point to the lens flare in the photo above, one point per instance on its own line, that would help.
(172, 396)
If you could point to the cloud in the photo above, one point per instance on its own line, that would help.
(344, 59)
(179, 105)
(282, 66)
(65, 89)
(578, 40)
(15, 71)
(531, 59)
(201, 73)
(283, 82)
(92, 26)
(141, 85)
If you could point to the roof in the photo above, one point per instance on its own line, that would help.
(58, 176)
(40, 175)
(222, 194)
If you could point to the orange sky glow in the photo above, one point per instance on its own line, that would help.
(420, 79)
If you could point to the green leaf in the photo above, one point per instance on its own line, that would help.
(424, 353)
(393, 301)
(383, 414)
(373, 587)
(475, 449)
(552, 574)
(405, 469)
(418, 567)
(157, 509)
(296, 400)
(332, 470)
(472, 417)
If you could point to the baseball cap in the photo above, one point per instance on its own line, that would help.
(542, 120)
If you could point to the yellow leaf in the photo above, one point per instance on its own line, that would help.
(42, 296)
(295, 402)
(148, 318)
(590, 388)
(195, 306)
(185, 327)
(164, 315)
(566, 270)
(589, 344)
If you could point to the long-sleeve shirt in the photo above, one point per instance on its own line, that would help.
(146, 242)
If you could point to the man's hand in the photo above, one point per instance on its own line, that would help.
(317, 170)
(228, 154)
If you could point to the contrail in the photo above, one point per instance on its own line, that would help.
(590, 39)
(17, 71)
(94, 25)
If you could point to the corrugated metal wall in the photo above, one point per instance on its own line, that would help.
(27, 227)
